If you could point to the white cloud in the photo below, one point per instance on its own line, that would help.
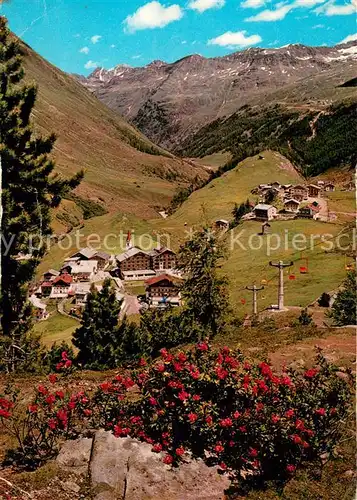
(153, 15)
(112, 46)
(91, 65)
(307, 3)
(349, 38)
(95, 38)
(237, 39)
(252, 4)
(331, 9)
(84, 50)
(271, 15)
(203, 5)
(137, 56)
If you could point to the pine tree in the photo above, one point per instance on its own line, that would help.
(204, 290)
(97, 337)
(344, 308)
(29, 191)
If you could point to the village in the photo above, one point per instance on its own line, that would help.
(70, 286)
(153, 273)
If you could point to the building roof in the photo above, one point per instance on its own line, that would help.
(130, 253)
(263, 206)
(292, 200)
(87, 266)
(160, 251)
(47, 283)
(314, 186)
(53, 272)
(299, 186)
(85, 252)
(35, 301)
(222, 220)
(102, 255)
(329, 184)
(157, 279)
(65, 278)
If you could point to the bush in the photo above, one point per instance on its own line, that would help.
(257, 425)
(324, 300)
(344, 308)
(53, 415)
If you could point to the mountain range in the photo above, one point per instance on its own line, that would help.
(169, 102)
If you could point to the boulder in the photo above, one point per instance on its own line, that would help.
(126, 469)
(75, 455)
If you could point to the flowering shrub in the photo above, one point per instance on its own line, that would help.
(255, 424)
(52, 416)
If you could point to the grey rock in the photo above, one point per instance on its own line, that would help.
(71, 486)
(124, 468)
(75, 455)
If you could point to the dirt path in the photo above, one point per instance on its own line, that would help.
(338, 348)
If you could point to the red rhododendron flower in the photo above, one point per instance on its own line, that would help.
(59, 366)
(320, 411)
(296, 439)
(223, 466)
(195, 374)
(226, 422)
(236, 414)
(68, 363)
(311, 373)
(253, 452)
(333, 411)
(180, 451)
(33, 408)
(64, 355)
(196, 397)
(259, 407)
(42, 390)
(168, 460)
(52, 378)
(87, 412)
(218, 448)
(183, 395)
(243, 429)
(209, 419)
(192, 417)
(289, 413)
(71, 405)
(178, 367)
(202, 346)
(265, 369)
(106, 386)
(5, 413)
(153, 401)
(50, 399)
(221, 373)
(299, 424)
(157, 448)
(275, 418)
(142, 362)
(160, 367)
(60, 394)
(181, 357)
(52, 424)
(290, 468)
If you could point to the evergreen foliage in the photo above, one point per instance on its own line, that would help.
(96, 338)
(238, 212)
(344, 308)
(204, 291)
(29, 190)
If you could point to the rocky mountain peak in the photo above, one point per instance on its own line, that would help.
(168, 101)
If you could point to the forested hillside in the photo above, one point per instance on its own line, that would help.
(313, 140)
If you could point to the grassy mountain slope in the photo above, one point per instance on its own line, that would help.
(123, 169)
(244, 266)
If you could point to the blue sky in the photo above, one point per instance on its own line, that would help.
(78, 35)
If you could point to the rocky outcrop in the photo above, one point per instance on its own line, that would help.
(125, 469)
